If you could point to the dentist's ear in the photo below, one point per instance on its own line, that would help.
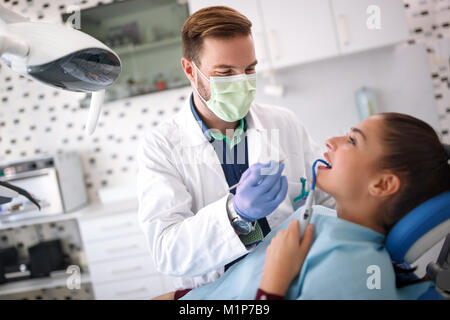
(188, 69)
(385, 184)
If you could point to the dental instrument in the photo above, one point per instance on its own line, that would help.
(306, 217)
(300, 200)
(237, 184)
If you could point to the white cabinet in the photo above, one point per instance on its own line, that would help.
(134, 289)
(111, 249)
(356, 23)
(298, 31)
(116, 226)
(290, 32)
(119, 262)
(137, 267)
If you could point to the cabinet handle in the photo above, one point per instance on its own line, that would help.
(126, 270)
(120, 249)
(274, 44)
(343, 29)
(117, 226)
(124, 293)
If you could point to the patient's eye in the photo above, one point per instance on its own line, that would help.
(351, 139)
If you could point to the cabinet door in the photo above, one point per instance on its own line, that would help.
(120, 247)
(137, 289)
(110, 226)
(356, 22)
(299, 31)
(122, 269)
(248, 8)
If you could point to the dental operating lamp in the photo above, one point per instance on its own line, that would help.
(58, 56)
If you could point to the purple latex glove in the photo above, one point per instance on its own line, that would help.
(261, 190)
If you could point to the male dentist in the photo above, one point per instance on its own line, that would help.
(196, 227)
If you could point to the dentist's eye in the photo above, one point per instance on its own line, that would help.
(223, 73)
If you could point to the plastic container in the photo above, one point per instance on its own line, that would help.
(366, 102)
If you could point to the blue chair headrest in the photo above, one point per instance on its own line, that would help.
(420, 229)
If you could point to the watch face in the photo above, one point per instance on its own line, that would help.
(242, 226)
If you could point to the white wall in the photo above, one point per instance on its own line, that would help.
(322, 94)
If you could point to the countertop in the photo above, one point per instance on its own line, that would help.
(90, 211)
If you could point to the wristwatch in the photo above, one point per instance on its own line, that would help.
(240, 225)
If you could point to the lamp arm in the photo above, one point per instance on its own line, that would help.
(8, 42)
(13, 46)
(9, 16)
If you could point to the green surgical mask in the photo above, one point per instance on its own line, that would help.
(231, 96)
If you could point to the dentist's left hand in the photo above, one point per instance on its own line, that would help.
(261, 190)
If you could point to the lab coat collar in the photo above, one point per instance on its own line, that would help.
(190, 128)
(196, 137)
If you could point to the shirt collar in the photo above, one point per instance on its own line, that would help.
(212, 134)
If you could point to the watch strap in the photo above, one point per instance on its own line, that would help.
(253, 237)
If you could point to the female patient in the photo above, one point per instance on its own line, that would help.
(381, 170)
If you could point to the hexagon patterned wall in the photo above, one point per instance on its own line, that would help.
(429, 23)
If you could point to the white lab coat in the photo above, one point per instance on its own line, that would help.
(182, 189)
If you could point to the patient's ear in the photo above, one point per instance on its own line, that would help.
(385, 184)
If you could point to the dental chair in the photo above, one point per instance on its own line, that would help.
(418, 232)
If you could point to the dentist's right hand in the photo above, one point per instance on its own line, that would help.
(260, 193)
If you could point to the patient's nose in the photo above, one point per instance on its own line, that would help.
(331, 144)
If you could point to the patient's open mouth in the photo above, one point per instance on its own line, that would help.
(327, 158)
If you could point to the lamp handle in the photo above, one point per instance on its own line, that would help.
(97, 99)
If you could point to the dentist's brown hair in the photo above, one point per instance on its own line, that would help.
(218, 22)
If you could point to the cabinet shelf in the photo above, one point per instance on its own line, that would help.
(132, 49)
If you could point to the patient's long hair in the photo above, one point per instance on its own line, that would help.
(413, 151)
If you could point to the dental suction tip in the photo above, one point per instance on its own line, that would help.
(325, 163)
(322, 161)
